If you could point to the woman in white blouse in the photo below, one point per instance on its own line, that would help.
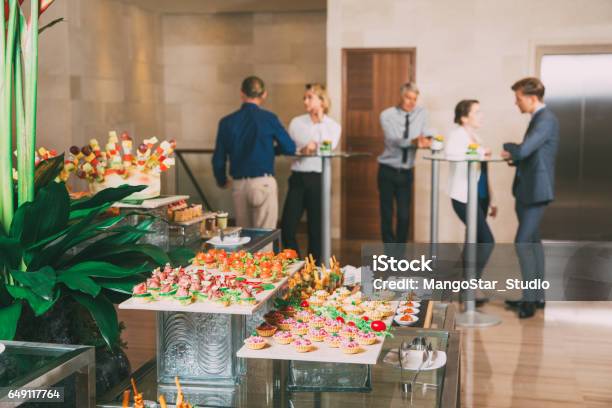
(468, 118)
(308, 131)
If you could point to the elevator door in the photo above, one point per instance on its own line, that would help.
(579, 91)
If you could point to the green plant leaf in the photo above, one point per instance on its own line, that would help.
(51, 254)
(80, 282)
(43, 217)
(10, 252)
(41, 282)
(38, 304)
(103, 312)
(103, 270)
(181, 256)
(106, 196)
(124, 285)
(9, 317)
(112, 253)
(47, 171)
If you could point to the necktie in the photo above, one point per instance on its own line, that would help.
(406, 134)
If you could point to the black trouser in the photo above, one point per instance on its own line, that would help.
(304, 194)
(394, 186)
(529, 246)
(484, 237)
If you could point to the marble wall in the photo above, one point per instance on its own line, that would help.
(467, 49)
(99, 70)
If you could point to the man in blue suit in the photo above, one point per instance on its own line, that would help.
(533, 186)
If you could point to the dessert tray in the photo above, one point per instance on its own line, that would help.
(320, 351)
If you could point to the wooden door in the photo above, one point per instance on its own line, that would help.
(371, 79)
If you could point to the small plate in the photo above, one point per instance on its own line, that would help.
(397, 320)
(413, 359)
(413, 303)
(228, 242)
(400, 310)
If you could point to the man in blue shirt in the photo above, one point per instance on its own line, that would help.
(250, 138)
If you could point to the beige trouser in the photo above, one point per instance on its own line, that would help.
(256, 202)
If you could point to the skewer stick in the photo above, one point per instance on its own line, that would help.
(162, 402)
(134, 386)
(179, 390)
(126, 399)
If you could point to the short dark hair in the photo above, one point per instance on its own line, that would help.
(530, 86)
(463, 109)
(253, 87)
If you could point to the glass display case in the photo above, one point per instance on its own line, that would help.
(25, 365)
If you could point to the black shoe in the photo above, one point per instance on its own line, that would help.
(480, 302)
(540, 304)
(513, 304)
(526, 310)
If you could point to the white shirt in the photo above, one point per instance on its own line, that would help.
(456, 147)
(303, 131)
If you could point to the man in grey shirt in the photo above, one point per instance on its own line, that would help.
(405, 130)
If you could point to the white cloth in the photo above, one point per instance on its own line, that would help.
(303, 131)
(456, 147)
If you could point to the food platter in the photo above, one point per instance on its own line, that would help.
(213, 307)
(321, 351)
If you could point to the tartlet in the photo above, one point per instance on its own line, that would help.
(350, 347)
(366, 338)
(317, 322)
(302, 345)
(333, 326)
(283, 337)
(266, 330)
(333, 340)
(273, 317)
(317, 334)
(286, 324)
(299, 328)
(303, 315)
(349, 331)
(255, 342)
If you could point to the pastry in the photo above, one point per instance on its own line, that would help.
(302, 345)
(333, 326)
(255, 342)
(283, 337)
(266, 329)
(286, 324)
(366, 338)
(274, 317)
(299, 328)
(333, 340)
(350, 347)
(183, 296)
(349, 332)
(303, 315)
(317, 322)
(317, 334)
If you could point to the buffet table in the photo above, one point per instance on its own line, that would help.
(198, 342)
(268, 383)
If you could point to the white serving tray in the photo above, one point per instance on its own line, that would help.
(212, 307)
(323, 352)
(153, 203)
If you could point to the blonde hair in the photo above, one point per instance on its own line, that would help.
(319, 90)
